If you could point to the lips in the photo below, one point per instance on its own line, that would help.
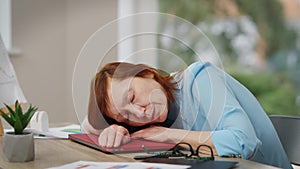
(153, 117)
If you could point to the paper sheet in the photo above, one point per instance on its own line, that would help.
(118, 165)
(58, 132)
(55, 132)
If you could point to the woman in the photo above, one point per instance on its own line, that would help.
(200, 105)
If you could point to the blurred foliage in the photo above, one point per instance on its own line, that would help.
(269, 18)
(275, 93)
(266, 14)
(191, 10)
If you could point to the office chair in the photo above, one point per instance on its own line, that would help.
(288, 130)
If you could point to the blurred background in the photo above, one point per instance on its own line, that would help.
(258, 42)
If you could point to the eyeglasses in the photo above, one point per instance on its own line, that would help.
(202, 152)
(184, 150)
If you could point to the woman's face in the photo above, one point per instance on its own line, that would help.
(137, 101)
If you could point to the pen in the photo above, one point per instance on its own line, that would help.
(177, 157)
(142, 157)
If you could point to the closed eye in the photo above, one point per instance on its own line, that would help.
(131, 96)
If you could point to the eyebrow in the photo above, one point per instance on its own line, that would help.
(124, 98)
(123, 95)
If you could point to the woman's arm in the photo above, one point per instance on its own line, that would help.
(219, 111)
(163, 134)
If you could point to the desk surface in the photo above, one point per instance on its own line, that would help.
(56, 152)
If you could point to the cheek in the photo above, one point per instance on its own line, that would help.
(158, 96)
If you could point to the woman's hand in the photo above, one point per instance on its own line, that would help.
(157, 133)
(113, 136)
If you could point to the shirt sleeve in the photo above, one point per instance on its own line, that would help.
(232, 130)
(235, 133)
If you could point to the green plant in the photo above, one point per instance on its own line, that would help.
(16, 118)
(275, 92)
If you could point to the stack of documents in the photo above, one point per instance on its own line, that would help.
(57, 132)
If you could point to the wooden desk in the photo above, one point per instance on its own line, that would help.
(55, 152)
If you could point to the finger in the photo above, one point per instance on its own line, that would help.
(118, 139)
(102, 139)
(111, 136)
(120, 135)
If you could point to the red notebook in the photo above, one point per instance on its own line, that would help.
(136, 145)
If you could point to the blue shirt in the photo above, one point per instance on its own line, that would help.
(211, 100)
